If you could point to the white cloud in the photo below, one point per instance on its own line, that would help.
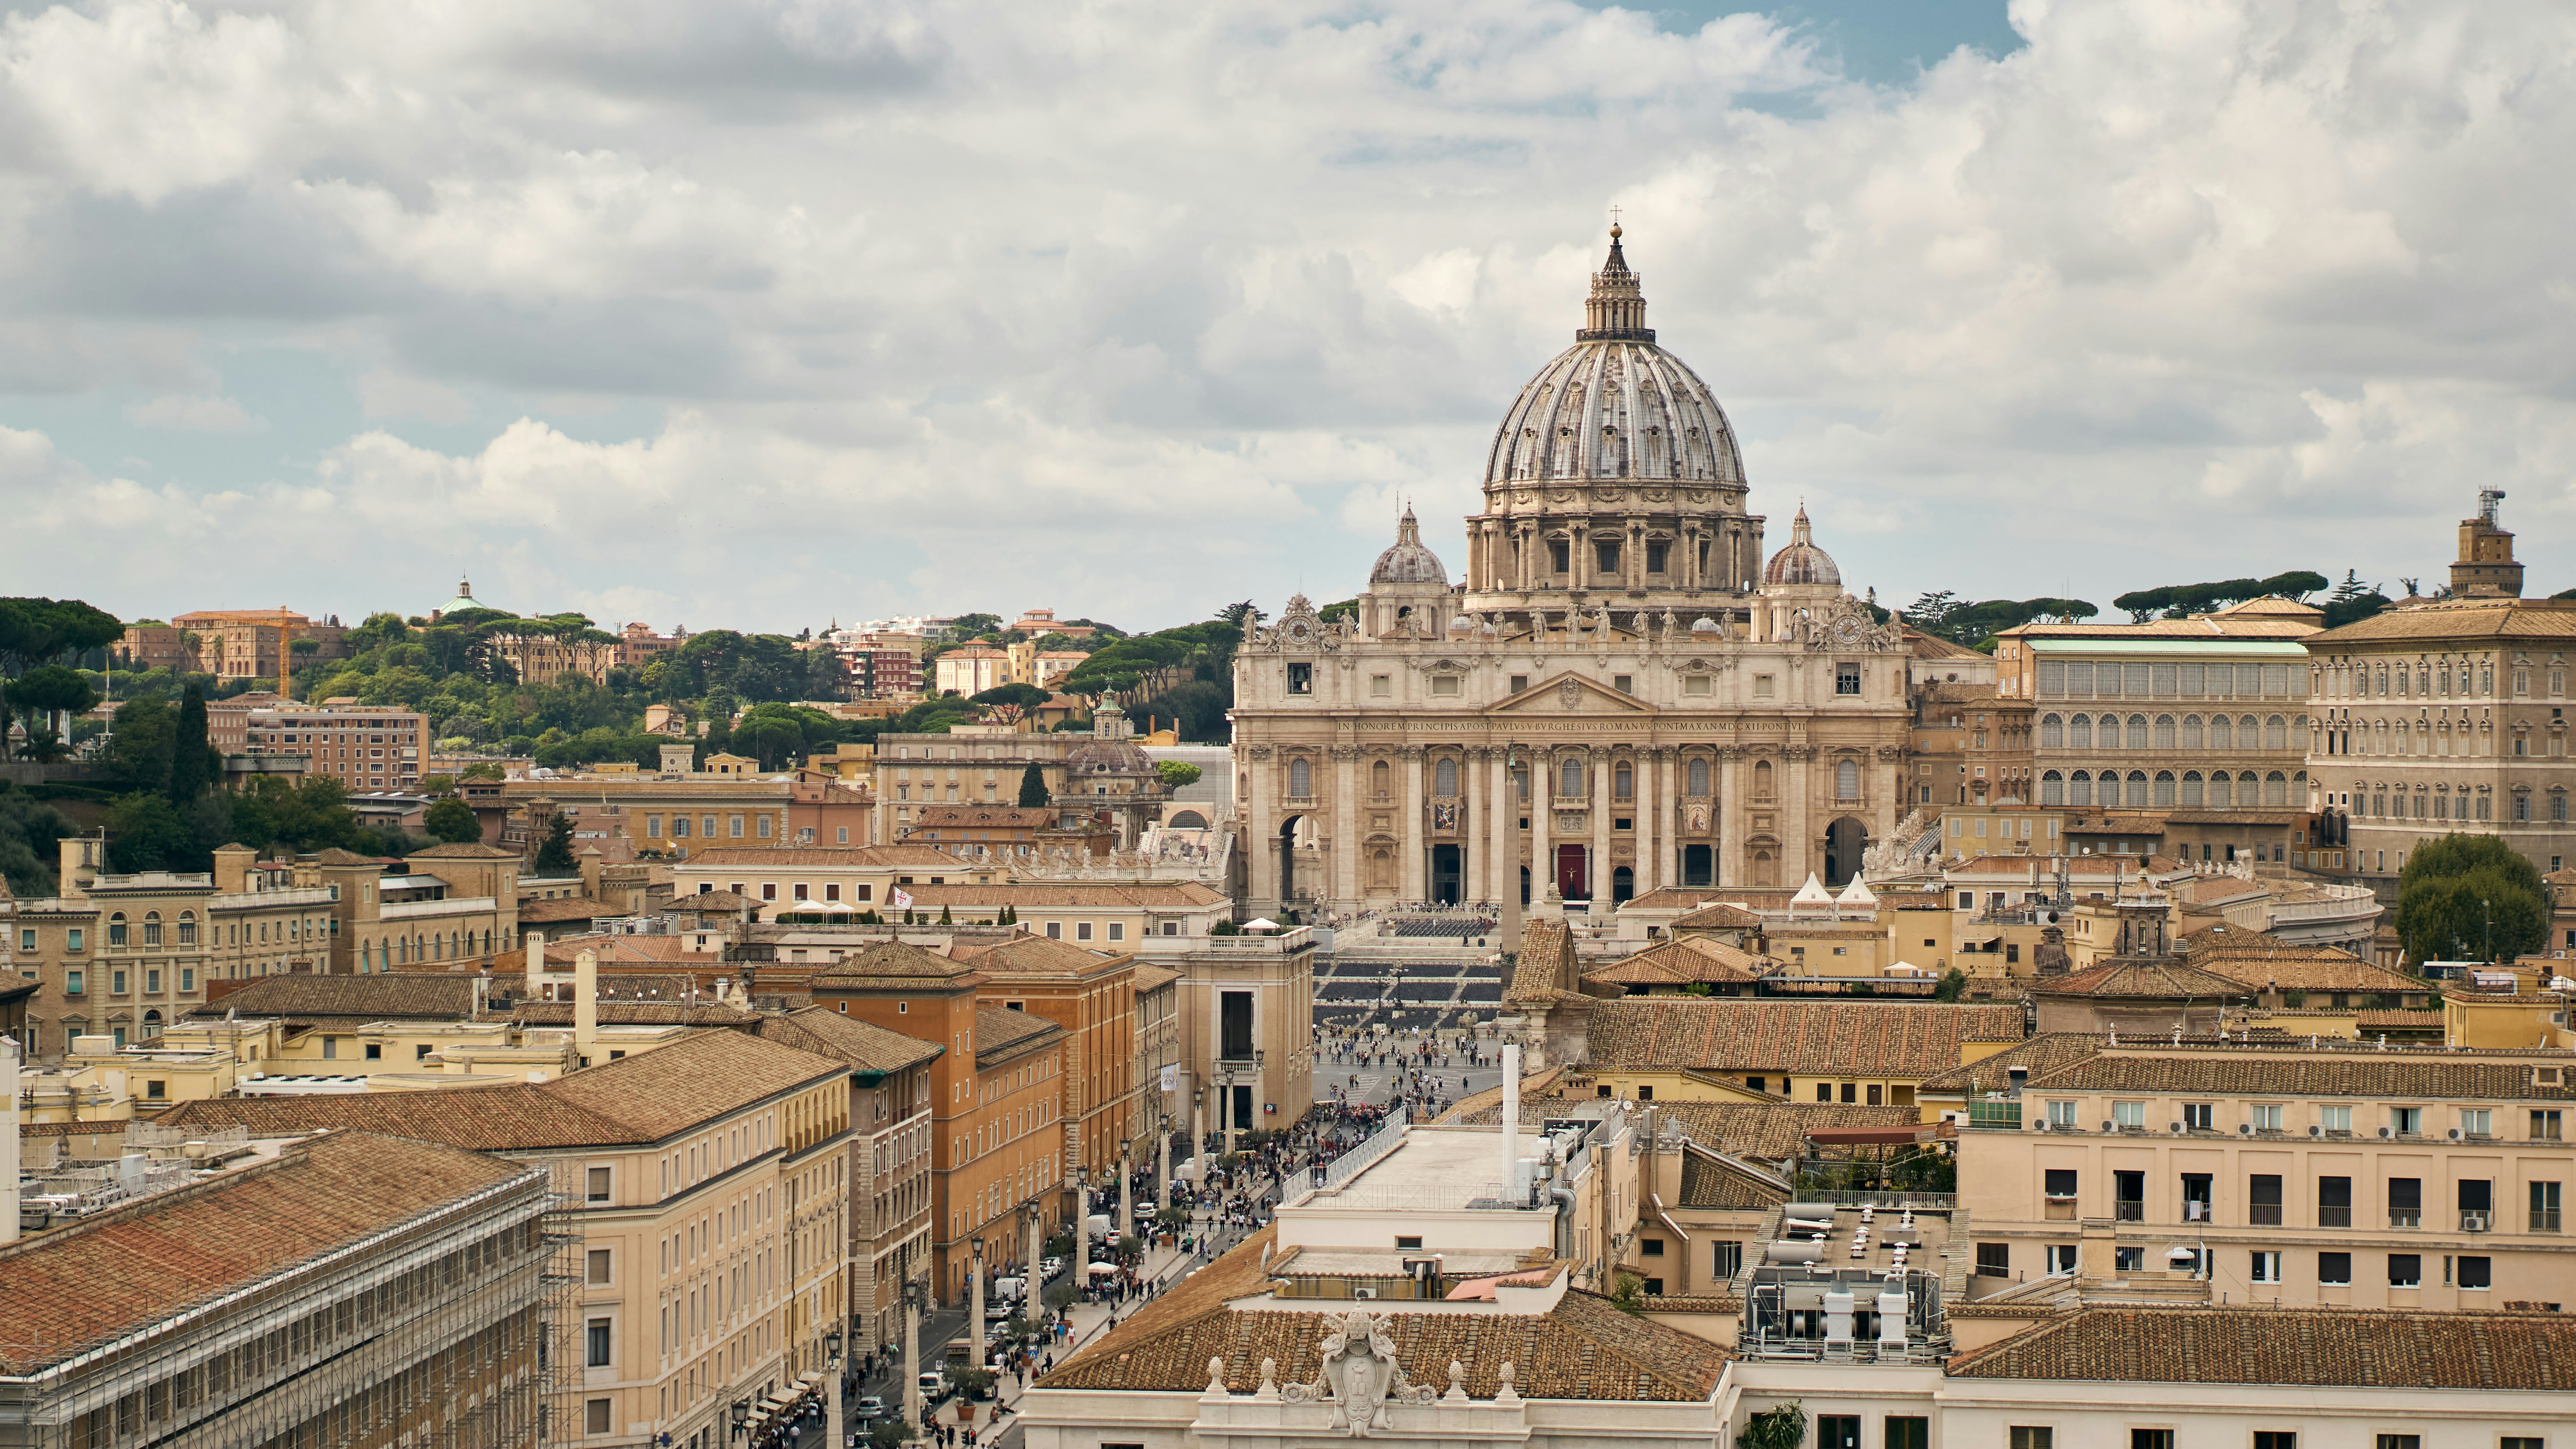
(194, 415)
(834, 305)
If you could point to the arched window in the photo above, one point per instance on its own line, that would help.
(151, 1024)
(2137, 732)
(2276, 789)
(2052, 732)
(2191, 788)
(151, 928)
(2221, 736)
(116, 929)
(2079, 733)
(2221, 793)
(1846, 779)
(1444, 777)
(1699, 777)
(1761, 779)
(187, 928)
(1569, 778)
(2276, 733)
(2248, 730)
(2107, 788)
(1301, 778)
(2080, 790)
(2164, 787)
(2052, 788)
(1381, 779)
(1623, 782)
(2164, 732)
(2191, 732)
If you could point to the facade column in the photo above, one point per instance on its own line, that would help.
(1599, 865)
(1644, 809)
(1797, 791)
(1261, 831)
(1668, 870)
(1414, 893)
(1542, 817)
(1499, 818)
(1732, 866)
(1346, 824)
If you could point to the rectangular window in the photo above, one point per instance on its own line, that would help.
(2334, 1202)
(2062, 1114)
(2406, 1121)
(1727, 1260)
(595, 1185)
(1994, 1260)
(1082, 930)
(1907, 1431)
(594, 1416)
(1301, 678)
(1838, 1431)
(2032, 1436)
(1117, 931)
(1444, 686)
(1519, 683)
(2477, 1272)
(2276, 1439)
(1055, 930)
(2267, 1116)
(1694, 684)
(2128, 1197)
(2405, 1270)
(2336, 1120)
(1380, 686)
(595, 1341)
(2399, 1441)
(2265, 1268)
(1846, 679)
(116, 982)
(2151, 1439)
(2544, 1126)
(2405, 1202)
(72, 939)
(652, 827)
(2263, 1201)
(2196, 1116)
(1655, 557)
(2129, 1114)
(2197, 1201)
(187, 978)
(597, 1265)
(71, 983)
(2334, 1269)
(2544, 1207)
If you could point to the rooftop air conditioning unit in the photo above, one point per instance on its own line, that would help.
(2455, 1134)
(2387, 1131)
(2316, 1131)
(2244, 1129)
(2110, 1126)
(2173, 1126)
(1363, 1293)
(2473, 1222)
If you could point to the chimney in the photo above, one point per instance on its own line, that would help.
(536, 944)
(1512, 1188)
(585, 1006)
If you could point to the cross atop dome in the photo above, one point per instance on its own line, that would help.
(1616, 310)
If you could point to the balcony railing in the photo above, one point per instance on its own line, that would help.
(2334, 1217)
(2397, 1219)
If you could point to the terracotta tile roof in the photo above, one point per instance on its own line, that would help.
(1546, 969)
(1153, 978)
(136, 1266)
(637, 1013)
(1583, 1349)
(1710, 1180)
(2161, 979)
(1823, 1038)
(637, 1099)
(894, 963)
(2258, 960)
(2288, 1069)
(612, 951)
(1001, 1032)
(2197, 627)
(728, 902)
(2041, 1054)
(1012, 817)
(1932, 646)
(2309, 1347)
(334, 855)
(1031, 955)
(2472, 618)
(575, 908)
(400, 996)
(1682, 961)
(465, 850)
(844, 857)
(1718, 916)
(844, 1039)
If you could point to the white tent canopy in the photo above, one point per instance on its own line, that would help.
(1261, 923)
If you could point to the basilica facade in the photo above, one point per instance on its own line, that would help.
(1623, 694)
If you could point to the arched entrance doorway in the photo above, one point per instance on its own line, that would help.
(1845, 839)
(1288, 857)
(1448, 874)
(1699, 865)
(1623, 885)
(1573, 873)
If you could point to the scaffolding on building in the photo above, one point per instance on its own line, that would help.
(427, 1332)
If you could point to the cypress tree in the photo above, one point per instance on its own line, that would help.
(1033, 790)
(193, 762)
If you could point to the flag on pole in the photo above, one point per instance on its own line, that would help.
(902, 899)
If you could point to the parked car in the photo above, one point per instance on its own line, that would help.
(1049, 1267)
(870, 1409)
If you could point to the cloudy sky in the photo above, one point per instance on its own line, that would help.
(755, 313)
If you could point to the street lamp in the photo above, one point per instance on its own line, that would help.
(832, 1385)
(741, 1417)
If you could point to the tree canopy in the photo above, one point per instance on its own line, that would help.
(2470, 895)
(1944, 615)
(2177, 601)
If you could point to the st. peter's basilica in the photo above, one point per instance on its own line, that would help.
(1622, 695)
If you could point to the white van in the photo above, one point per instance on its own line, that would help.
(934, 1385)
(1009, 1290)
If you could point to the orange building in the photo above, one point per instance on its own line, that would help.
(1092, 995)
(997, 1139)
(247, 643)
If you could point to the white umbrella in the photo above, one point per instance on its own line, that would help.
(1099, 1269)
(1261, 923)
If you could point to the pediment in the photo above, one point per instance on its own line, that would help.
(1570, 693)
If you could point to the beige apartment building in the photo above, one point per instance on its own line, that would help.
(1104, 768)
(783, 879)
(1246, 1011)
(243, 643)
(2449, 715)
(2335, 1174)
(363, 746)
(892, 1190)
(675, 815)
(359, 1290)
(707, 1185)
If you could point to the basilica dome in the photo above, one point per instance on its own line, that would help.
(1802, 562)
(1614, 405)
(1409, 562)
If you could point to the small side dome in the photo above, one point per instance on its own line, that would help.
(1802, 562)
(1408, 562)
(1459, 628)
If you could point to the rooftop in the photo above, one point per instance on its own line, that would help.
(443, 996)
(2306, 1347)
(1897, 1038)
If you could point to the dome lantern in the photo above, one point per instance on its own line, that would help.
(1409, 561)
(1802, 562)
